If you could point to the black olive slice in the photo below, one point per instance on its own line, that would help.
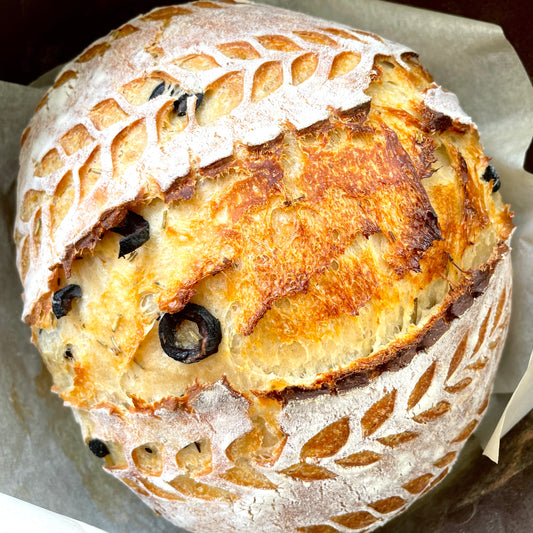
(199, 99)
(135, 230)
(98, 447)
(158, 91)
(180, 105)
(490, 174)
(62, 299)
(208, 326)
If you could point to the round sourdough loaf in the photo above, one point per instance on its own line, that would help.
(265, 261)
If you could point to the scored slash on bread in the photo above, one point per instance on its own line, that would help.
(310, 190)
(372, 450)
(115, 129)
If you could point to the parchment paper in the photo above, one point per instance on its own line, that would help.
(42, 456)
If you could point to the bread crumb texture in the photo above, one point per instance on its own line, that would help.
(338, 462)
(317, 193)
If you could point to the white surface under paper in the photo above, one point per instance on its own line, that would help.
(42, 457)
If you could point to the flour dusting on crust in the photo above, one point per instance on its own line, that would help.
(446, 103)
(157, 45)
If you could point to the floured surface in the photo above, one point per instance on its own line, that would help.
(446, 103)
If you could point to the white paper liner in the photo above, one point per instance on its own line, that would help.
(43, 459)
(17, 515)
(519, 406)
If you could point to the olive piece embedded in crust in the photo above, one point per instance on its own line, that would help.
(62, 299)
(98, 447)
(490, 174)
(199, 99)
(135, 231)
(180, 105)
(208, 326)
(158, 90)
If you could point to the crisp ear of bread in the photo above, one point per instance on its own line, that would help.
(265, 262)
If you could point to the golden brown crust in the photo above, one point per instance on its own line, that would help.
(299, 221)
(323, 200)
(398, 355)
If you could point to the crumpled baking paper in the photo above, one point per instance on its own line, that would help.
(42, 457)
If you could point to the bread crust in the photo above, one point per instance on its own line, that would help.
(102, 111)
(325, 201)
(398, 355)
(351, 459)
